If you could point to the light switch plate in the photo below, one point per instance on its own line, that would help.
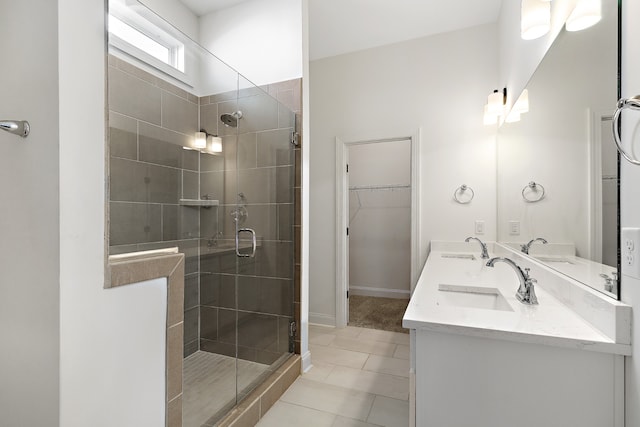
(479, 227)
(514, 228)
(630, 252)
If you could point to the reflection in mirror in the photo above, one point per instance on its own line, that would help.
(564, 146)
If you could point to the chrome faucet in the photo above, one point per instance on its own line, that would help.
(525, 248)
(485, 254)
(526, 292)
(609, 281)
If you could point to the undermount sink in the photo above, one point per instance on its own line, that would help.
(472, 297)
(459, 256)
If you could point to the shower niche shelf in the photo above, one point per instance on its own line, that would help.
(205, 203)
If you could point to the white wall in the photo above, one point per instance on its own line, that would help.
(29, 218)
(519, 58)
(629, 200)
(380, 219)
(261, 39)
(437, 85)
(111, 341)
(304, 266)
(177, 14)
(550, 145)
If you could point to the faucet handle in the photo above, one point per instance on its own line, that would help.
(533, 299)
(526, 274)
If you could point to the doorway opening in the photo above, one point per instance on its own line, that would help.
(377, 215)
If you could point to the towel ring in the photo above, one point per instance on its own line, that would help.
(533, 186)
(461, 190)
(632, 104)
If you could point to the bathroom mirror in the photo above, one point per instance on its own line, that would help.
(557, 172)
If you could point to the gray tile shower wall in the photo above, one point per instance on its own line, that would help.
(259, 163)
(150, 121)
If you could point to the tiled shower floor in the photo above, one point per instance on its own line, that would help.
(210, 384)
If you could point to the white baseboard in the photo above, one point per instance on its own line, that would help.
(368, 291)
(306, 362)
(322, 319)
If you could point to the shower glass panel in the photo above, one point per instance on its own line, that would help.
(231, 212)
(263, 220)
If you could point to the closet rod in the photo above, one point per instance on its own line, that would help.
(379, 187)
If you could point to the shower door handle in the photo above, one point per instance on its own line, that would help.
(253, 243)
(16, 127)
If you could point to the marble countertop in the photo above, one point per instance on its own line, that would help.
(550, 322)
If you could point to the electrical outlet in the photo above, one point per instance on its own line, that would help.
(479, 227)
(630, 258)
(514, 228)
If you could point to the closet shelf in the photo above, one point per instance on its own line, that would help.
(379, 187)
(199, 202)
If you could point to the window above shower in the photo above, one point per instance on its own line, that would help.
(139, 35)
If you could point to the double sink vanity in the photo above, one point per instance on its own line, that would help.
(483, 356)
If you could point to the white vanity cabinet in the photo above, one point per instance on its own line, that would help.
(559, 363)
(473, 381)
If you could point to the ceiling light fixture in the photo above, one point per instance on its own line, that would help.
(585, 14)
(535, 19)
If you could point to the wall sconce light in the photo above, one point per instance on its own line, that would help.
(535, 19)
(207, 142)
(494, 108)
(585, 14)
(496, 102)
(201, 140)
(214, 143)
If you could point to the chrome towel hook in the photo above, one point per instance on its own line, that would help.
(534, 187)
(632, 104)
(460, 191)
(16, 127)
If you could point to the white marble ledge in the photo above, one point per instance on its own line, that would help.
(548, 323)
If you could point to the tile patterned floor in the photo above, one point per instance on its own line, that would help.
(210, 384)
(359, 378)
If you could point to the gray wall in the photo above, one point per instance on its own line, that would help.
(29, 218)
(261, 303)
(150, 121)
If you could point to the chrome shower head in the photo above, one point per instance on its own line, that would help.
(231, 120)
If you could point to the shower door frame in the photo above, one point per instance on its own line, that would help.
(342, 218)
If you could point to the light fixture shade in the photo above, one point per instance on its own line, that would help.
(201, 140)
(215, 144)
(522, 104)
(495, 103)
(488, 118)
(586, 14)
(535, 19)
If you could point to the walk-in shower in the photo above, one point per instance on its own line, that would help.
(231, 213)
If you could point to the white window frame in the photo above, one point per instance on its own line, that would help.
(176, 66)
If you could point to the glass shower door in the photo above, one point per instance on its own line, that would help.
(262, 219)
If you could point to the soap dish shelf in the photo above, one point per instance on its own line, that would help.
(205, 203)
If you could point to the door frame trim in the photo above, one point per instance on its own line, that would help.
(342, 217)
